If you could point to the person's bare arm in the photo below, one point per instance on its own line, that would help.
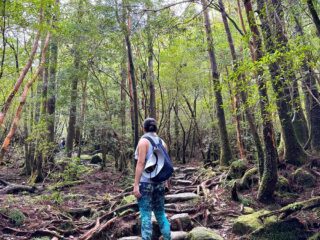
(143, 146)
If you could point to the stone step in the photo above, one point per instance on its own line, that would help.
(182, 182)
(181, 222)
(178, 235)
(188, 170)
(181, 197)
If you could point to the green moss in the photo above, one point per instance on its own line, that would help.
(247, 180)
(202, 233)
(283, 184)
(248, 210)
(16, 217)
(304, 178)
(85, 157)
(251, 222)
(291, 229)
(237, 168)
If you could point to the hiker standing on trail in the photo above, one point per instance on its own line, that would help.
(149, 187)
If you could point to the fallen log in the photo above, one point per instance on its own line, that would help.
(11, 188)
(294, 207)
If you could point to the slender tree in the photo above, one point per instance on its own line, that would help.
(226, 154)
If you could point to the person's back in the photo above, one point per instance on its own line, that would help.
(150, 194)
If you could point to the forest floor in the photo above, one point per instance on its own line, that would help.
(96, 204)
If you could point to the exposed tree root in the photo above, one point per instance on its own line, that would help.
(294, 207)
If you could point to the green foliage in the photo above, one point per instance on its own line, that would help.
(16, 217)
(73, 170)
(56, 197)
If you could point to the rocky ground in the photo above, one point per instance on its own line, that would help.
(86, 203)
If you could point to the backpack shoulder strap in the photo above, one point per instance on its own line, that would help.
(151, 141)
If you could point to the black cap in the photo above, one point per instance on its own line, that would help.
(150, 125)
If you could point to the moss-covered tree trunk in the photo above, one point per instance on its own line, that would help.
(276, 40)
(311, 97)
(74, 87)
(267, 169)
(226, 154)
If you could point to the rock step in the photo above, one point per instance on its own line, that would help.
(181, 182)
(201, 233)
(181, 197)
(175, 235)
(181, 222)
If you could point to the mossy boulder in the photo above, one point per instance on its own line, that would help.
(291, 229)
(248, 223)
(237, 169)
(283, 185)
(247, 210)
(202, 233)
(303, 178)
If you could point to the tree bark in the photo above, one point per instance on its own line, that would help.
(152, 103)
(4, 38)
(23, 97)
(23, 73)
(51, 99)
(74, 88)
(311, 96)
(134, 87)
(226, 154)
(293, 152)
(315, 16)
(240, 143)
(267, 169)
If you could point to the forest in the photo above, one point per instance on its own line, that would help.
(233, 84)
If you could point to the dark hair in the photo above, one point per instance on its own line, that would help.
(150, 125)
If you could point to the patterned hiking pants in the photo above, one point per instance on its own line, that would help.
(152, 199)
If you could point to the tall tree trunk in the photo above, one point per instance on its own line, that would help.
(124, 74)
(50, 107)
(73, 104)
(315, 16)
(4, 38)
(82, 110)
(226, 154)
(293, 152)
(14, 125)
(268, 170)
(134, 86)
(74, 88)
(312, 94)
(240, 143)
(152, 103)
(23, 74)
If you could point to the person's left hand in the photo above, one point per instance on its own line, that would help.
(136, 191)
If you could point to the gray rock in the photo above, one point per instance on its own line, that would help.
(202, 233)
(179, 235)
(180, 222)
(182, 182)
(180, 197)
